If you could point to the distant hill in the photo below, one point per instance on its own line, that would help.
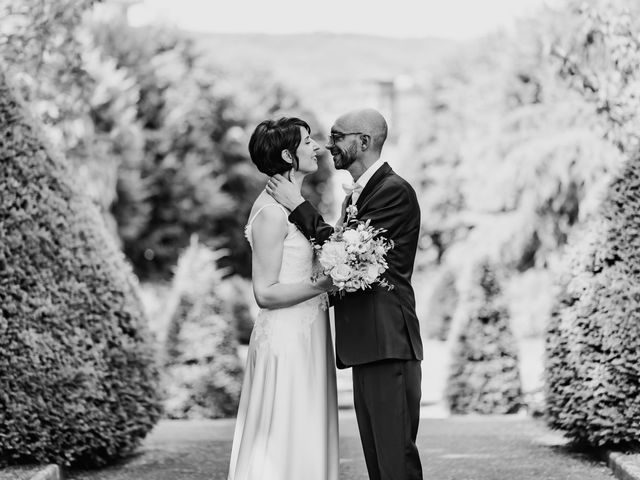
(331, 72)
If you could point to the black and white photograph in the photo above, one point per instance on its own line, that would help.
(338, 240)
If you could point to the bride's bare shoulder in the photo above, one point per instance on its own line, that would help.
(265, 210)
(262, 200)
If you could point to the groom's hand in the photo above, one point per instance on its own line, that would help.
(284, 192)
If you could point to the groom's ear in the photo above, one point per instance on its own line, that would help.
(286, 156)
(365, 142)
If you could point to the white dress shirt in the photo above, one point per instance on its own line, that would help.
(364, 179)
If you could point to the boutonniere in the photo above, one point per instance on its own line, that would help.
(352, 213)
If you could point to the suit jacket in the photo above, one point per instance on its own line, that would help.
(377, 324)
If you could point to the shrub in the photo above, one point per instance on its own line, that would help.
(87, 102)
(484, 376)
(442, 306)
(593, 340)
(194, 175)
(239, 306)
(203, 372)
(78, 382)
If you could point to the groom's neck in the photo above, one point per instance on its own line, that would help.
(361, 165)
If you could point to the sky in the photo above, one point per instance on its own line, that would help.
(451, 19)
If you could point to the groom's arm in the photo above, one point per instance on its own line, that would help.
(311, 223)
(312, 226)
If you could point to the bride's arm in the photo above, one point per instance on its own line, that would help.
(268, 231)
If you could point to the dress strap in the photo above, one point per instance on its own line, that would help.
(286, 213)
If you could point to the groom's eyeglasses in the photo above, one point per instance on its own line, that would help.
(337, 136)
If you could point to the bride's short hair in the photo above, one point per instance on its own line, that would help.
(270, 138)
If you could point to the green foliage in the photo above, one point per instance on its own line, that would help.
(202, 373)
(484, 376)
(510, 161)
(531, 297)
(40, 40)
(593, 341)
(239, 305)
(155, 134)
(442, 306)
(87, 103)
(78, 380)
(175, 187)
(195, 174)
(601, 60)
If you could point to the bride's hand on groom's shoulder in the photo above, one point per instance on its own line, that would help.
(284, 191)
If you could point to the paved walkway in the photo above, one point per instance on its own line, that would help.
(458, 448)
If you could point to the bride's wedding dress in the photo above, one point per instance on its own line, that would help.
(287, 423)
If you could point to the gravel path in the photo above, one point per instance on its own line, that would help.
(457, 448)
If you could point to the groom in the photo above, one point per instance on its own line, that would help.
(377, 330)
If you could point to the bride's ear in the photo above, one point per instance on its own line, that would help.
(286, 156)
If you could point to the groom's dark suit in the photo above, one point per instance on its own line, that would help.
(377, 330)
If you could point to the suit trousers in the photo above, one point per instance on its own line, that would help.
(387, 402)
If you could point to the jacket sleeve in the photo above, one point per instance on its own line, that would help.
(311, 223)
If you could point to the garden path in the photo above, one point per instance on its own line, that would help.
(455, 448)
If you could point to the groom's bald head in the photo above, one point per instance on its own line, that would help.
(366, 120)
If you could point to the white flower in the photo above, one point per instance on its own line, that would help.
(363, 247)
(352, 237)
(341, 273)
(372, 272)
(333, 254)
(352, 250)
(355, 257)
(354, 284)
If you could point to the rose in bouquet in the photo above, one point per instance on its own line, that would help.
(354, 256)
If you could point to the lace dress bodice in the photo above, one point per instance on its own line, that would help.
(297, 252)
(297, 267)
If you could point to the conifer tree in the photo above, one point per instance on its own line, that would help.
(593, 340)
(484, 376)
(203, 373)
(78, 381)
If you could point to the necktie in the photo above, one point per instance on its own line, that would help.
(353, 189)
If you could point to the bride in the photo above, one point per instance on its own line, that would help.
(287, 423)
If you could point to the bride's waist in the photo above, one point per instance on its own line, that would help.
(316, 303)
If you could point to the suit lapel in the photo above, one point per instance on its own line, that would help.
(346, 203)
(377, 177)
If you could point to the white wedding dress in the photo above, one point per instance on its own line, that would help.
(287, 423)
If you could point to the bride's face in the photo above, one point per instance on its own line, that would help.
(307, 153)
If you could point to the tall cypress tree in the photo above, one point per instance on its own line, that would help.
(78, 381)
(484, 376)
(593, 341)
(203, 372)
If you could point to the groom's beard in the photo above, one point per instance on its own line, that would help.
(344, 158)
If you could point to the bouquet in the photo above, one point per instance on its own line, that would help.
(354, 256)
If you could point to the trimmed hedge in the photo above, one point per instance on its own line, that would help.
(78, 381)
(443, 303)
(239, 306)
(203, 372)
(592, 357)
(484, 376)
